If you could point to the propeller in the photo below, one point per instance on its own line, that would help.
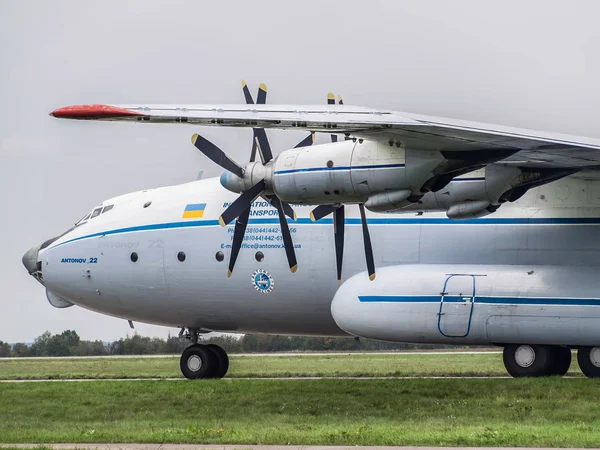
(260, 140)
(339, 220)
(338, 229)
(331, 101)
(251, 183)
(240, 178)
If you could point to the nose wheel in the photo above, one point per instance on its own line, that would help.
(200, 361)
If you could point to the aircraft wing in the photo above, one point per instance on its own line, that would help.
(531, 148)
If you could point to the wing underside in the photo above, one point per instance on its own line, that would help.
(528, 148)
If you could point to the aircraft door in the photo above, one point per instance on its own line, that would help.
(456, 306)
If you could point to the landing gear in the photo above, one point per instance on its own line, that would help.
(222, 360)
(522, 360)
(528, 360)
(562, 361)
(589, 361)
(203, 361)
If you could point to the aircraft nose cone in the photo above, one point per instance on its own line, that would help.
(30, 259)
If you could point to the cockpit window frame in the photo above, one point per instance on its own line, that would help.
(96, 212)
(107, 208)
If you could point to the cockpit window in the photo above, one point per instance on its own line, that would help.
(84, 219)
(107, 208)
(96, 212)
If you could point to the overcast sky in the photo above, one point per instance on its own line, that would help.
(533, 64)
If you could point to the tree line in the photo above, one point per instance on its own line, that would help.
(68, 343)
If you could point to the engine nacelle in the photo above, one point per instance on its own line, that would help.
(350, 172)
(472, 304)
(482, 192)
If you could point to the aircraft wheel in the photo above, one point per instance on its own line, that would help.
(522, 360)
(589, 361)
(197, 361)
(562, 361)
(222, 359)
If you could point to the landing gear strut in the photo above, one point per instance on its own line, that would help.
(202, 361)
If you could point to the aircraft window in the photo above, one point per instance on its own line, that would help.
(219, 256)
(134, 257)
(84, 219)
(181, 256)
(107, 208)
(96, 212)
(147, 204)
(259, 256)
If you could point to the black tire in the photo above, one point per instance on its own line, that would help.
(222, 360)
(537, 361)
(197, 362)
(589, 361)
(562, 361)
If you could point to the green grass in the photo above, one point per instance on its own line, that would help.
(367, 365)
(451, 412)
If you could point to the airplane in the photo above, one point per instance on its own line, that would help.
(470, 234)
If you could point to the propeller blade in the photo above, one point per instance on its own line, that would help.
(238, 238)
(261, 99)
(307, 141)
(287, 237)
(242, 203)
(247, 94)
(260, 135)
(253, 152)
(340, 102)
(367, 241)
(338, 229)
(331, 101)
(321, 211)
(216, 155)
(287, 209)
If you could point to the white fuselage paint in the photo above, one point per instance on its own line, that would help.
(91, 265)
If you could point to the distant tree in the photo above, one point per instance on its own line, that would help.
(90, 348)
(174, 345)
(40, 344)
(21, 350)
(5, 349)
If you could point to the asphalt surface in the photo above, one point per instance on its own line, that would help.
(250, 447)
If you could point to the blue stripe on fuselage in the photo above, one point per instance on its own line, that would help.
(354, 221)
(480, 300)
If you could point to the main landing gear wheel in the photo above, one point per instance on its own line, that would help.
(222, 360)
(204, 361)
(589, 361)
(562, 361)
(528, 360)
(197, 362)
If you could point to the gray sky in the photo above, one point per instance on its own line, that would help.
(532, 64)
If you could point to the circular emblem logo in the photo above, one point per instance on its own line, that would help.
(262, 281)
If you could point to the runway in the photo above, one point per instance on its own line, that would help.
(254, 447)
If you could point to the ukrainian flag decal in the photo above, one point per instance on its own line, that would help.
(194, 211)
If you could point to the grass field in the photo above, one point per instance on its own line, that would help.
(500, 412)
(368, 365)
